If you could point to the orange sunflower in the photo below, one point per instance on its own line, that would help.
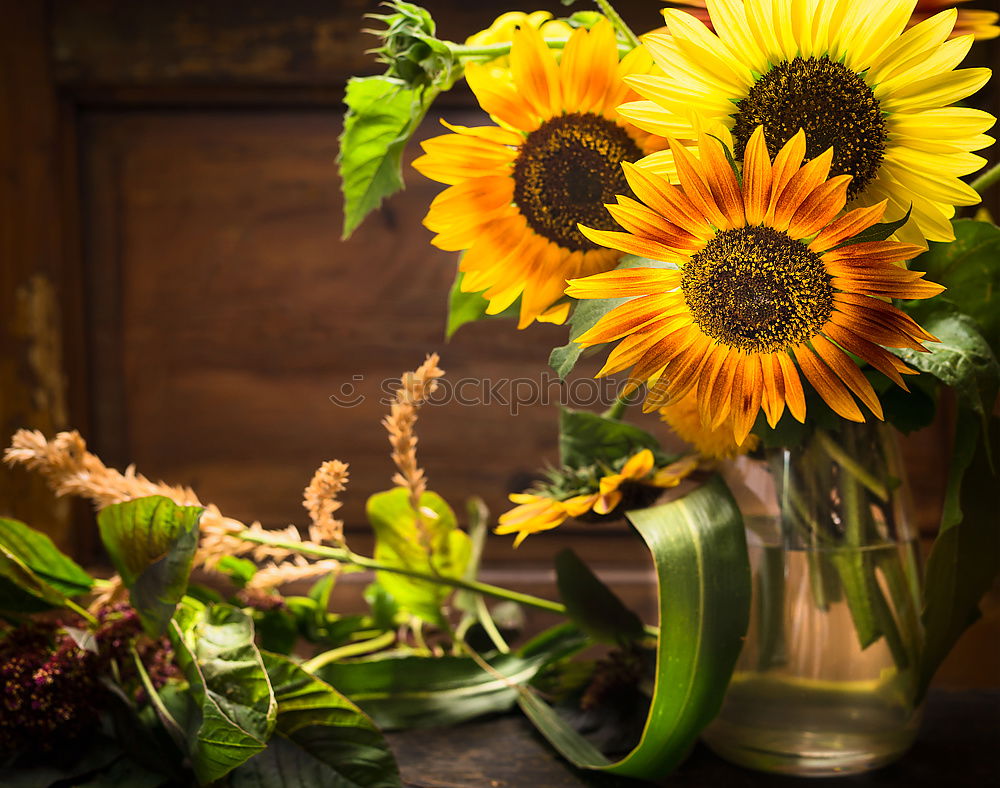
(638, 483)
(761, 277)
(517, 190)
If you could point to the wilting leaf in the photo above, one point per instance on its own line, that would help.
(699, 549)
(151, 542)
(215, 650)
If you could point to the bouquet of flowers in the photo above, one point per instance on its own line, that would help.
(753, 211)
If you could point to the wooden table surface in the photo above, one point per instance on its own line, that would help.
(959, 745)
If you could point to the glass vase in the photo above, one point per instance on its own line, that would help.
(826, 681)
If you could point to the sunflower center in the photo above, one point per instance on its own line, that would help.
(567, 169)
(758, 290)
(834, 106)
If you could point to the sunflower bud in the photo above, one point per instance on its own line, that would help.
(409, 47)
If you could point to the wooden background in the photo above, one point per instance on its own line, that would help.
(173, 283)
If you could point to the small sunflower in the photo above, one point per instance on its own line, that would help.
(763, 277)
(519, 189)
(502, 32)
(850, 74)
(713, 443)
(637, 484)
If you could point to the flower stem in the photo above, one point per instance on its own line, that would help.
(358, 649)
(80, 611)
(987, 179)
(854, 468)
(608, 10)
(346, 555)
(618, 407)
(466, 52)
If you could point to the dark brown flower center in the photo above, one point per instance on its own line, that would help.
(758, 290)
(566, 171)
(834, 106)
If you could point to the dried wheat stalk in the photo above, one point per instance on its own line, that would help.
(415, 388)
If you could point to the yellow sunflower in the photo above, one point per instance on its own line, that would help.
(714, 443)
(519, 189)
(763, 277)
(850, 74)
(981, 24)
(543, 510)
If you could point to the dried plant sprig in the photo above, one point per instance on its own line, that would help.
(320, 500)
(415, 388)
(70, 469)
(298, 568)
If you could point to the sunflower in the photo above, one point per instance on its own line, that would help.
(519, 189)
(637, 484)
(762, 276)
(981, 24)
(857, 81)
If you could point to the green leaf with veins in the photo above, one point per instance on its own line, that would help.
(969, 267)
(215, 650)
(428, 542)
(152, 542)
(382, 115)
(320, 738)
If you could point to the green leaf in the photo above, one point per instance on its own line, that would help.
(586, 438)
(965, 557)
(585, 315)
(412, 692)
(469, 307)
(432, 545)
(21, 590)
(41, 556)
(961, 359)
(151, 542)
(321, 738)
(239, 570)
(382, 114)
(592, 605)
(215, 650)
(969, 267)
(699, 548)
(877, 232)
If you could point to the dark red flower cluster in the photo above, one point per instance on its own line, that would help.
(52, 690)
